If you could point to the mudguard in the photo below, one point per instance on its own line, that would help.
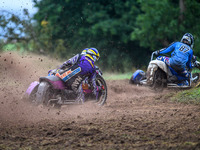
(160, 64)
(31, 87)
(54, 81)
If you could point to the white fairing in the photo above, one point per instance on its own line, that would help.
(160, 64)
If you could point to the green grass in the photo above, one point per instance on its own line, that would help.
(18, 47)
(195, 70)
(13, 47)
(117, 76)
(188, 96)
(9, 47)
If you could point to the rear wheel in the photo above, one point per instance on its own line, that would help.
(32, 96)
(159, 80)
(131, 80)
(102, 94)
(44, 93)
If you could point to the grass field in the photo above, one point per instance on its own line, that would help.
(188, 96)
(117, 76)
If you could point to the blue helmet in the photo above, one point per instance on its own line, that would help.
(93, 54)
(188, 39)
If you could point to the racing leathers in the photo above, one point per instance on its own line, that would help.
(80, 67)
(181, 57)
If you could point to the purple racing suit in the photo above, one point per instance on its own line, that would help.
(80, 67)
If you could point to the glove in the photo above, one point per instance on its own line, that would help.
(194, 58)
(64, 66)
(197, 64)
(49, 71)
(157, 52)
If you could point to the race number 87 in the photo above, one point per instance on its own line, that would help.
(184, 49)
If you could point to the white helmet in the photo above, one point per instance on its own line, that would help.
(188, 39)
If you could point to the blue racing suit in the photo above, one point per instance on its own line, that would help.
(181, 57)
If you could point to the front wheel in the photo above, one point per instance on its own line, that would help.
(102, 94)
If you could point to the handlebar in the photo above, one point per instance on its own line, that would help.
(196, 64)
(152, 55)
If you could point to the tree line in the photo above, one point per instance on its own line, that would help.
(124, 31)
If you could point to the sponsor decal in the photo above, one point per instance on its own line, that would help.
(76, 83)
(68, 74)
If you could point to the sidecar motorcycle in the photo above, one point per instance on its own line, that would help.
(160, 76)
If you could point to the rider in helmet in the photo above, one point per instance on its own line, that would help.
(84, 51)
(80, 67)
(181, 56)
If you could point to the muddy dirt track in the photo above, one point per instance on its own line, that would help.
(133, 118)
